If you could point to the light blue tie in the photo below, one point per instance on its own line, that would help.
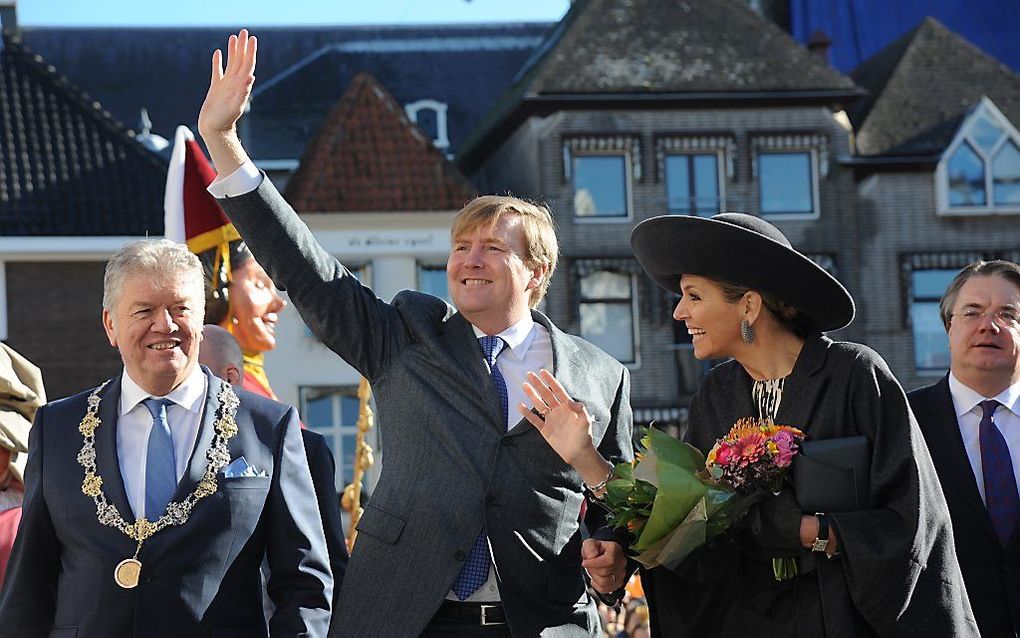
(160, 461)
(475, 570)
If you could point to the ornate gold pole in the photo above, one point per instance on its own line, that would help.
(363, 460)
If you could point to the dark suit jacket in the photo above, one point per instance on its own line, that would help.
(201, 578)
(323, 469)
(991, 572)
(450, 467)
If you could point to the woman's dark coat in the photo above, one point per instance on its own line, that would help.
(897, 572)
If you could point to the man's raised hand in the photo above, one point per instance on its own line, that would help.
(229, 90)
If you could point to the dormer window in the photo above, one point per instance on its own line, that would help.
(979, 174)
(430, 116)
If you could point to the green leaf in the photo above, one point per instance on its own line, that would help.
(673, 451)
(679, 487)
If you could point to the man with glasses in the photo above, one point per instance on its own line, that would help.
(971, 422)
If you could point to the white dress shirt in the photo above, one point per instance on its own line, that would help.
(1006, 418)
(244, 180)
(528, 349)
(135, 422)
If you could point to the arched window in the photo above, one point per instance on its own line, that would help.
(430, 116)
(980, 170)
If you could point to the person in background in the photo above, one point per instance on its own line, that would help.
(221, 353)
(21, 394)
(971, 422)
(240, 296)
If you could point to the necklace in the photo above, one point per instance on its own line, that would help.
(127, 572)
(767, 395)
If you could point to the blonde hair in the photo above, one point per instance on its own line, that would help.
(540, 245)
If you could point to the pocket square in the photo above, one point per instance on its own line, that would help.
(240, 467)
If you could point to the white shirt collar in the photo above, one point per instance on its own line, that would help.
(190, 394)
(518, 337)
(966, 398)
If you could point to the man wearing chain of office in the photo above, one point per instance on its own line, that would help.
(151, 500)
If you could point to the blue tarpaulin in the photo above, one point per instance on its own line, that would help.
(861, 28)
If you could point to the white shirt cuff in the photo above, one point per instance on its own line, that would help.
(244, 180)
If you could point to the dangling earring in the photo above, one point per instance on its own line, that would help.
(746, 331)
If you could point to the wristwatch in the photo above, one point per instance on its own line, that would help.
(822, 540)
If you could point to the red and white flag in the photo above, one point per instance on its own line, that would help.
(191, 214)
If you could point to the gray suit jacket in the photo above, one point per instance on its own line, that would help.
(198, 579)
(450, 468)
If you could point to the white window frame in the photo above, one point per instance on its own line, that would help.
(628, 191)
(442, 139)
(720, 170)
(626, 145)
(813, 166)
(634, 316)
(987, 109)
(421, 265)
(817, 147)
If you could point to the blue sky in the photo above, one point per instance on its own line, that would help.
(282, 12)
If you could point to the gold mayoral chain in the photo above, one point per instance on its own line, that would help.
(127, 572)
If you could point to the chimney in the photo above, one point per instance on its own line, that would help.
(9, 17)
(819, 43)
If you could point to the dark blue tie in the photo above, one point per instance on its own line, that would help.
(160, 462)
(1001, 497)
(475, 571)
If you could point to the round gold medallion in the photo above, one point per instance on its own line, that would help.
(127, 572)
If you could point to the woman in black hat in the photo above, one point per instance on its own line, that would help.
(888, 568)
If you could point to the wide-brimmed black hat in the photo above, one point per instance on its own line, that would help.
(745, 250)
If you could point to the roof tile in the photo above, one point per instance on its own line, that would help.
(367, 156)
(624, 46)
(921, 87)
(66, 167)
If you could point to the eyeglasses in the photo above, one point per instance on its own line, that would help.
(1005, 318)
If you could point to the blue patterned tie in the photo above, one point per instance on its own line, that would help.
(1001, 497)
(160, 463)
(475, 571)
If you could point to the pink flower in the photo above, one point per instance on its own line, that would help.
(751, 448)
(783, 436)
(786, 445)
(724, 455)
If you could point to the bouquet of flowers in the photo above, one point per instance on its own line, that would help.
(674, 500)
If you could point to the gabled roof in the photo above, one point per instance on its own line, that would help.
(615, 46)
(921, 86)
(66, 166)
(626, 51)
(368, 156)
(166, 70)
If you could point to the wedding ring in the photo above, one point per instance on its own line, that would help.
(544, 412)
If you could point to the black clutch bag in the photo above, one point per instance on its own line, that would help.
(831, 475)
